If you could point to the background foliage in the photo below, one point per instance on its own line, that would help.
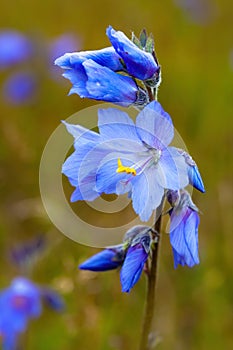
(195, 48)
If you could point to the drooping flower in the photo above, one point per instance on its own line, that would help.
(184, 222)
(14, 48)
(131, 255)
(19, 303)
(125, 157)
(139, 63)
(108, 259)
(193, 172)
(135, 259)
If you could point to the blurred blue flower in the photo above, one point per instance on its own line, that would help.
(91, 80)
(20, 88)
(184, 222)
(19, 303)
(14, 48)
(132, 255)
(139, 63)
(67, 42)
(108, 259)
(125, 157)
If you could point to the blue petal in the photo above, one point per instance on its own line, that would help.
(107, 179)
(78, 79)
(132, 267)
(139, 63)
(106, 57)
(82, 135)
(195, 178)
(184, 238)
(154, 127)
(173, 168)
(147, 193)
(105, 260)
(81, 168)
(117, 125)
(103, 84)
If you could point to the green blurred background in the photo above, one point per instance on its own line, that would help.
(195, 48)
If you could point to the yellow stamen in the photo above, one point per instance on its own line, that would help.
(124, 169)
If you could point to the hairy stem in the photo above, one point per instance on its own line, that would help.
(152, 277)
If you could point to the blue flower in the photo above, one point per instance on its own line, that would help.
(19, 303)
(184, 222)
(193, 172)
(139, 63)
(108, 259)
(94, 81)
(133, 265)
(125, 157)
(131, 255)
(14, 48)
(20, 88)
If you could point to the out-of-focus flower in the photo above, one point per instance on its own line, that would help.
(26, 253)
(64, 43)
(14, 48)
(19, 303)
(125, 157)
(132, 255)
(184, 222)
(20, 88)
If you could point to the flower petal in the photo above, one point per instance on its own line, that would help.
(139, 63)
(103, 84)
(173, 169)
(146, 193)
(106, 57)
(184, 238)
(116, 125)
(105, 260)
(154, 127)
(132, 267)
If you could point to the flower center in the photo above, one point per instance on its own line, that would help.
(148, 158)
(124, 169)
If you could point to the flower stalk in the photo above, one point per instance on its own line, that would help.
(152, 277)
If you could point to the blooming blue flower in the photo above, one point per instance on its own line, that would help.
(91, 80)
(125, 157)
(20, 302)
(20, 88)
(139, 63)
(133, 265)
(108, 259)
(14, 48)
(184, 221)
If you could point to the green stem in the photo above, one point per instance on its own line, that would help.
(151, 288)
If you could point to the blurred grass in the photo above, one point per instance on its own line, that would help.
(194, 307)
